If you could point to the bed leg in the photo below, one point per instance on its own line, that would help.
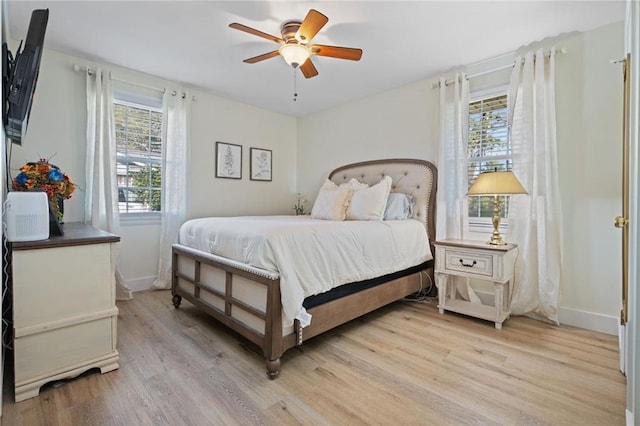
(176, 300)
(273, 368)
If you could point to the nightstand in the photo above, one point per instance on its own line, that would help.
(477, 260)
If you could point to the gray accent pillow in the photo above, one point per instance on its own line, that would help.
(399, 206)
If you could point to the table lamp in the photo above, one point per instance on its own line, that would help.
(496, 183)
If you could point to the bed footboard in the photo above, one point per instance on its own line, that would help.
(248, 301)
(243, 298)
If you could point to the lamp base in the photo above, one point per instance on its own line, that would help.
(497, 241)
(496, 238)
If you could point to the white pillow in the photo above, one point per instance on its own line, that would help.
(355, 184)
(399, 206)
(369, 203)
(331, 202)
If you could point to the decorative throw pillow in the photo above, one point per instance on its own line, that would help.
(399, 206)
(331, 202)
(369, 203)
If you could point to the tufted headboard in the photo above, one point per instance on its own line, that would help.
(418, 178)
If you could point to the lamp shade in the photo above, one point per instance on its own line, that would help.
(294, 54)
(492, 183)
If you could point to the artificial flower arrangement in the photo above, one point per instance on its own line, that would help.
(299, 205)
(43, 176)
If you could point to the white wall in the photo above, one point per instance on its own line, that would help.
(216, 119)
(57, 125)
(403, 123)
(57, 130)
(396, 123)
(589, 109)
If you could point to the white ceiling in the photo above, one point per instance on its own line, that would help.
(403, 41)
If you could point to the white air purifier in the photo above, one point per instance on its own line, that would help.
(27, 216)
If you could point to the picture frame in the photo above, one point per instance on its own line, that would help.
(228, 160)
(261, 163)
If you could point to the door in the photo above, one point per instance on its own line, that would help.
(622, 222)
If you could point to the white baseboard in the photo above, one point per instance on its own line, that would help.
(141, 284)
(587, 320)
(622, 348)
(629, 418)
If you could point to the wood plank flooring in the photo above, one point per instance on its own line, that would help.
(403, 364)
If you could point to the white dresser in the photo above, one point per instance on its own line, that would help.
(64, 311)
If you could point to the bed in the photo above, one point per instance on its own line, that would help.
(246, 295)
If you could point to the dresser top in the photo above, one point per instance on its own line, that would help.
(474, 244)
(75, 234)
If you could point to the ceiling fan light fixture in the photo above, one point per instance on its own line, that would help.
(294, 54)
(296, 45)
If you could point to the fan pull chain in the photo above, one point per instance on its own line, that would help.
(295, 86)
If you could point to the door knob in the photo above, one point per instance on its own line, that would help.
(620, 222)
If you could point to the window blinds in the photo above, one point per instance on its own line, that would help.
(489, 148)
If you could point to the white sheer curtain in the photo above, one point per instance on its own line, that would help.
(101, 200)
(535, 219)
(176, 109)
(452, 158)
(453, 131)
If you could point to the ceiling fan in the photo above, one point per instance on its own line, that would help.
(295, 45)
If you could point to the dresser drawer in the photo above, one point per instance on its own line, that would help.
(469, 262)
(53, 284)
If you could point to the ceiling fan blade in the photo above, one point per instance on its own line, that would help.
(350, 53)
(253, 31)
(262, 57)
(310, 26)
(308, 69)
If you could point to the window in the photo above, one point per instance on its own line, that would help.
(489, 149)
(139, 156)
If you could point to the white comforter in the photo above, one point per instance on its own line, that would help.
(311, 256)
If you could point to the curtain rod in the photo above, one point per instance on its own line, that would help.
(436, 84)
(90, 71)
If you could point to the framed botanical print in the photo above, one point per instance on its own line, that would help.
(261, 163)
(228, 160)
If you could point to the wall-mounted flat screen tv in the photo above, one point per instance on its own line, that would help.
(20, 75)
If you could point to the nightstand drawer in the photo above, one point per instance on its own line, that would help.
(469, 262)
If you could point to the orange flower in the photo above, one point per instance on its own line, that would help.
(45, 177)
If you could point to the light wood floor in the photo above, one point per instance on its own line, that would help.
(403, 364)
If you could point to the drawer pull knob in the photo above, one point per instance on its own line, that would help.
(468, 265)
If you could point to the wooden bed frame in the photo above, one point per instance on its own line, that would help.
(247, 299)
